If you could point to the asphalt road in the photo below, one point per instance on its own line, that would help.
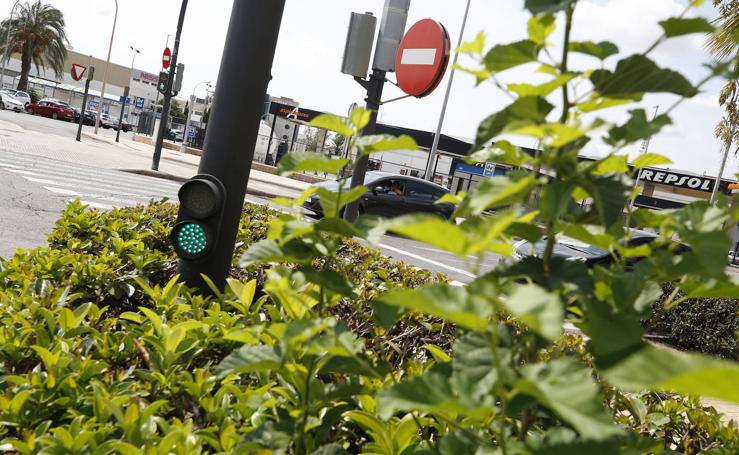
(39, 186)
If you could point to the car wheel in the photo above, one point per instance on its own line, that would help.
(2, 106)
(54, 115)
(30, 111)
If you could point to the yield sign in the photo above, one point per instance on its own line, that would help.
(422, 58)
(77, 71)
(166, 58)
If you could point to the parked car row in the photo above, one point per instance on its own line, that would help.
(56, 109)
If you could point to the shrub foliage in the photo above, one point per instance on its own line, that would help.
(320, 345)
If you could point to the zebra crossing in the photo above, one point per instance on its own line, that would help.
(97, 187)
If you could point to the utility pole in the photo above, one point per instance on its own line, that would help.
(392, 27)
(124, 100)
(433, 157)
(105, 73)
(205, 235)
(644, 149)
(168, 93)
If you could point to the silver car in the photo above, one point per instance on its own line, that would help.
(10, 103)
(22, 97)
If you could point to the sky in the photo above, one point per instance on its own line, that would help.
(311, 42)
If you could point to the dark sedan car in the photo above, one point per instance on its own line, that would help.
(392, 195)
(574, 250)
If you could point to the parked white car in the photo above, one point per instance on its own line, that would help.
(23, 97)
(10, 103)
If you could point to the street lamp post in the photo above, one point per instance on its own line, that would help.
(105, 73)
(183, 147)
(134, 51)
(7, 45)
(124, 98)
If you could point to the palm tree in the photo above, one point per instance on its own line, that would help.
(723, 45)
(37, 33)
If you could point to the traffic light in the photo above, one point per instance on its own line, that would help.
(198, 223)
(162, 84)
(178, 75)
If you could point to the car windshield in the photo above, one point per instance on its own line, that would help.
(580, 246)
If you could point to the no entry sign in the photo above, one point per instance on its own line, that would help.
(166, 58)
(422, 58)
(77, 71)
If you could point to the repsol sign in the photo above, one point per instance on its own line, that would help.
(693, 182)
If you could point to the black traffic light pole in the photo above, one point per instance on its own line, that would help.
(90, 75)
(233, 127)
(168, 92)
(374, 93)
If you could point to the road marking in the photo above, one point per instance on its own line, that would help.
(429, 261)
(94, 205)
(8, 165)
(20, 171)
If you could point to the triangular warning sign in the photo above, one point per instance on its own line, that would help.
(77, 71)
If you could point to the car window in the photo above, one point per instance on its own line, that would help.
(390, 186)
(419, 190)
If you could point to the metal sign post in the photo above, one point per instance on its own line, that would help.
(230, 140)
(168, 93)
(392, 27)
(90, 75)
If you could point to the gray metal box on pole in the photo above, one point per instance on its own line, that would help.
(358, 47)
(392, 28)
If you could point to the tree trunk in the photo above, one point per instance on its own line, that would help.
(25, 68)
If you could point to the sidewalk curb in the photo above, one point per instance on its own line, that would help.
(177, 178)
(177, 160)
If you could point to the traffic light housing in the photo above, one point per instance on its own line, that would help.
(178, 75)
(199, 221)
(162, 84)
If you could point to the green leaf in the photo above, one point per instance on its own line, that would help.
(596, 103)
(331, 449)
(506, 56)
(481, 74)
(332, 202)
(601, 50)
(329, 280)
(439, 355)
(430, 392)
(611, 164)
(609, 195)
(650, 159)
(556, 198)
(360, 117)
(678, 26)
(568, 389)
(332, 123)
(310, 161)
(636, 128)
(385, 142)
(546, 6)
(495, 192)
(450, 303)
(526, 110)
(251, 359)
(474, 369)
(636, 75)
(500, 152)
(266, 251)
(541, 89)
(540, 310)
(540, 27)
(433, 231)
(474, 47)
(666, 369)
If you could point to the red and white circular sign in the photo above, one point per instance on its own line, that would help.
(422, 58)
(166, 57)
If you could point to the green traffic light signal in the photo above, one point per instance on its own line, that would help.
(198, 223)
(191, 239)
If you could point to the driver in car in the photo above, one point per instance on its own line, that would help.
(396, 189)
